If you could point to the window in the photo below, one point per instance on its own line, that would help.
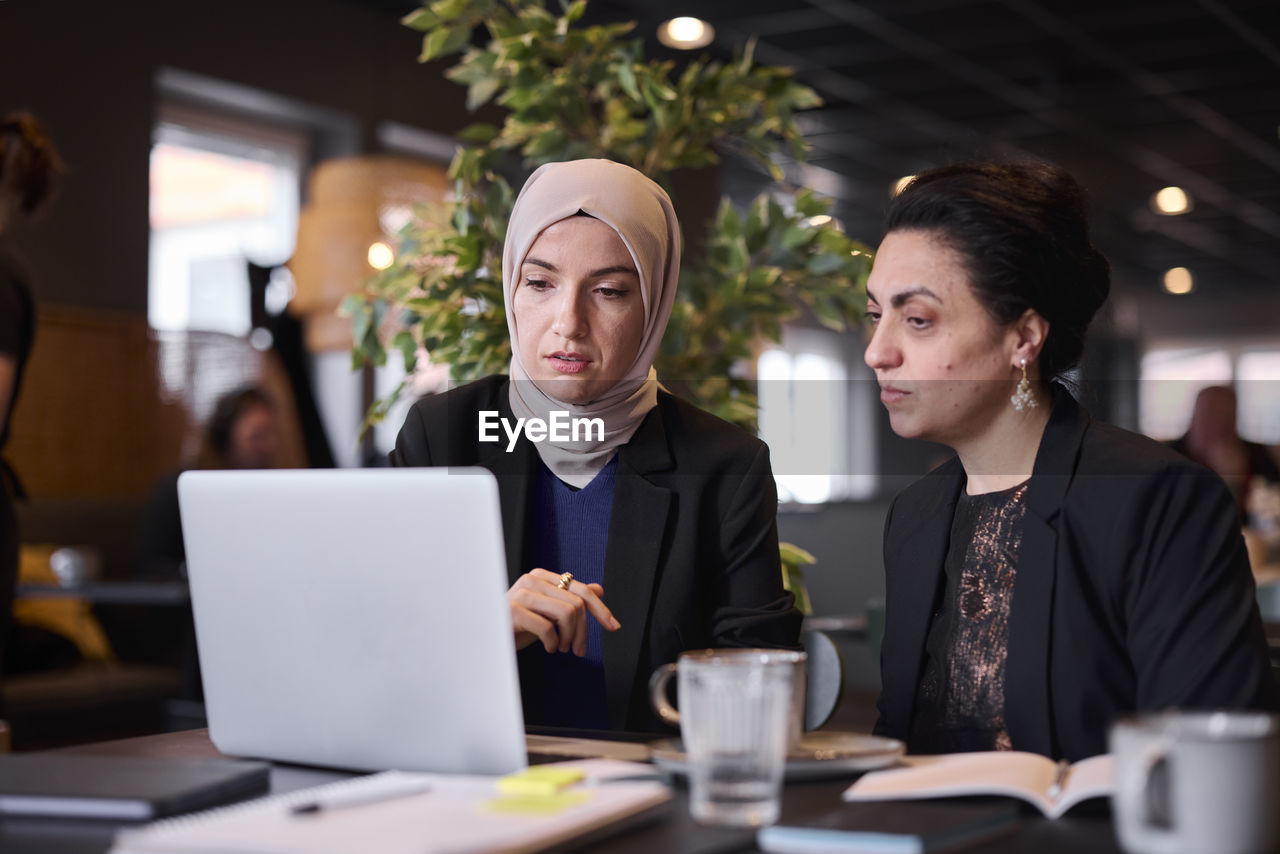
(222, 192)
(1172, 377)
(806, 410)
(1258, 395)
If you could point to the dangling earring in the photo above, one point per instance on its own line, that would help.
(1022, 397)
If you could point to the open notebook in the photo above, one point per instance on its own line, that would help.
(456, 813)
(1051, 787)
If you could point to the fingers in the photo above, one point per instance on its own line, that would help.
(531, 627)
(563, 613)
(591, 594)
(538, 593)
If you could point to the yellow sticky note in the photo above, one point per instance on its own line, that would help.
(539, 780)
(538, 804)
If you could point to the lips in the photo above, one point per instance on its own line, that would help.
(892, 394)
(568, 363)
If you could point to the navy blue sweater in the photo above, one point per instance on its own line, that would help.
(569, 534)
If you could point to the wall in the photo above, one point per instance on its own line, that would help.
(96, 417)
(88, 68)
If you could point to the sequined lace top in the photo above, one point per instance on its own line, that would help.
(960, 698)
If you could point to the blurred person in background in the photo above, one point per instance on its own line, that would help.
(28, 165)
(1212, 441)
(242, 433)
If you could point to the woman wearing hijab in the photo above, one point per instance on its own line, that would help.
(657, 533)
(1057, 572)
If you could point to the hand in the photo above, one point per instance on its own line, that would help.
(541, 610)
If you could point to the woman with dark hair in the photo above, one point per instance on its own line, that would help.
(242, 433)
(1057, 571)
(665, 513)
(28, 165)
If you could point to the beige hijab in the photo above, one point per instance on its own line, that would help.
(641, 213)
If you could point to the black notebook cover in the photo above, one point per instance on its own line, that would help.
(51, 784)
(893, 827)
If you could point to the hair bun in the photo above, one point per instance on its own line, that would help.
(28, 161)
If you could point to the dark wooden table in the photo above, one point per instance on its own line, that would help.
(674, 833)
(167, 593)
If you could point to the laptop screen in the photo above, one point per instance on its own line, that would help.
(354, 618)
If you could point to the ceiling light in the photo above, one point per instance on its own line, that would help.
(685, 33)
(901, 183)
(1179, 281)
(1171, 201)
(380, 256)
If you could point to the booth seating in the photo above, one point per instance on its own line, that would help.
(148, 394)
(122, 692)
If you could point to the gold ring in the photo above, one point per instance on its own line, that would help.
(565, 580)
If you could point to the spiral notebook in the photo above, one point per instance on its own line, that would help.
(456, 813)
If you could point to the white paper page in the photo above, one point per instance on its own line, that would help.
(452, 818)
(1010, 773)
(1089, 778)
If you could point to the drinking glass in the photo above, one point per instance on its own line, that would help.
(735, 715)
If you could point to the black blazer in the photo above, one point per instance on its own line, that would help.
(1133, 590)
(692, 557)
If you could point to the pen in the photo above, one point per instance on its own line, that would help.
(1055, 788)
(373, 791)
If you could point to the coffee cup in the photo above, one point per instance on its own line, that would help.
(74, 566)
(1197, 782)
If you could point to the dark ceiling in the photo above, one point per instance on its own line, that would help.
(1129, 95)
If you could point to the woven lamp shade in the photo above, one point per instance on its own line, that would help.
(348, 201)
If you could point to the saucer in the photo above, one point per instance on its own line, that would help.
(819, 755)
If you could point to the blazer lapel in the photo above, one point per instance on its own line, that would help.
(516, 471)
(1028, 700)
(637, 527)
(916, 563)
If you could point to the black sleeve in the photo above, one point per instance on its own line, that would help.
(882, 724)
(412, 446)
(754, 608)
(1194, 634)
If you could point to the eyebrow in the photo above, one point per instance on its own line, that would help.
(603, 271)
(901, 298)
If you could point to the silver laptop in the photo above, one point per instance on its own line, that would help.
(354, 619)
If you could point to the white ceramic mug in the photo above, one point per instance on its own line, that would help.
(799, 688)
(1197, 782)
(737, 712)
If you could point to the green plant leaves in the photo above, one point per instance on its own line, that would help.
(422, 20)
(571, 91)
(443, 41)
